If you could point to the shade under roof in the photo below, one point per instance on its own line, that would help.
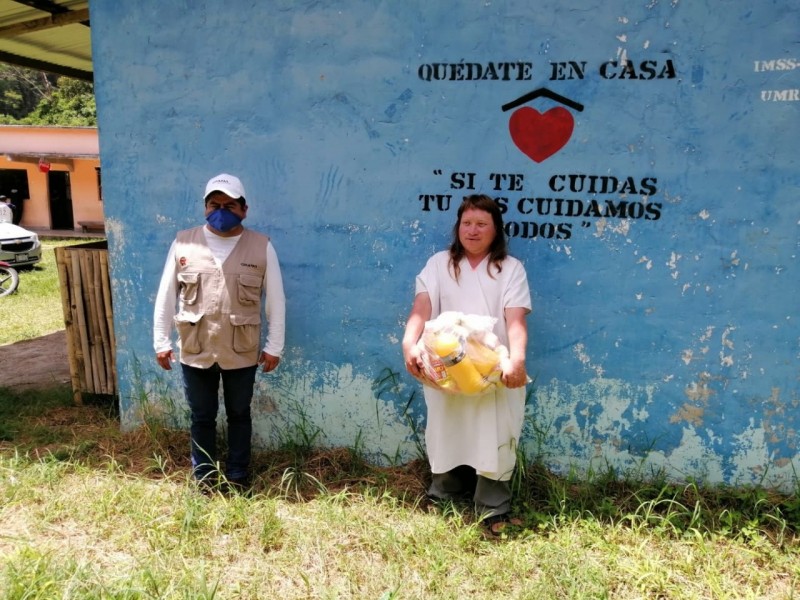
(47, 35)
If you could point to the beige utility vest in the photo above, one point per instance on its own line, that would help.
(219, 310)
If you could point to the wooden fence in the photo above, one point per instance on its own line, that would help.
(86, 300)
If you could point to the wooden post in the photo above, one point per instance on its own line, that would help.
(79, 315)
(109, 317)
(92, 333)
(107, 376)
(87, 306)
(62, 259)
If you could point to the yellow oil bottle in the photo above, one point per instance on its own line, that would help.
(485, 359)
(458, 364)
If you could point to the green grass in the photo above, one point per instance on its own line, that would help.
(18, 412)
(35, 309)
(88, 511)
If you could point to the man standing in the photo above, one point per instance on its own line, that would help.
(6, 210)
(219, 274)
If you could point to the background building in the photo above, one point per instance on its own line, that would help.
(52, 175)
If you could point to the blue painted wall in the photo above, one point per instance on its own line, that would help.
(646, 155)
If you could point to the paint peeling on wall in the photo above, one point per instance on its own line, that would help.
(586, 361)
(605, 423)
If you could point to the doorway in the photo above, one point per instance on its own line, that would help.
(60, 200)
(14, 184)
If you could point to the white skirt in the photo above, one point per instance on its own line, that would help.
(480, 431)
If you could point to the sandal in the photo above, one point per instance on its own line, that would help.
(496, 524)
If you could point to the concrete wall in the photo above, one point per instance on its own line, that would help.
(646, 156)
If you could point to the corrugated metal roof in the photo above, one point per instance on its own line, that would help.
(47, 35)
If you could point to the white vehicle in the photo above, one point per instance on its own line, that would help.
(18, 246)
(9, 279)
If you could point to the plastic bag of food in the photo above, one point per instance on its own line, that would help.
(461, 354)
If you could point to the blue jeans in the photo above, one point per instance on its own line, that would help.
(201, 387)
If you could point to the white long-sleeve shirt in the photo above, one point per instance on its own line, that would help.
(167, 296)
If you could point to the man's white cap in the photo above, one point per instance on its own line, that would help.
(227, 184)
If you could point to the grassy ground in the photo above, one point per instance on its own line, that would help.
(88, 511)
(35, 308)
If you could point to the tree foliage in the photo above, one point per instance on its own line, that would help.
(30, 97)
(71, 103)
(22, 89)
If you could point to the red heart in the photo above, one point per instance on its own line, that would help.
(539, 135)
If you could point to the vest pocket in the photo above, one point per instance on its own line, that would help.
(188, 328)
(250, 289)
(188, 284)
(246, 332)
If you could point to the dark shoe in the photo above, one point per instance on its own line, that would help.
(239, 485)
(444, 497)
(207, 485)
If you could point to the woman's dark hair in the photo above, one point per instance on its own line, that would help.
(498, 250)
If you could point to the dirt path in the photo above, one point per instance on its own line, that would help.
(38, 363)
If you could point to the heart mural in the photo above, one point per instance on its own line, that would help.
(540, 135)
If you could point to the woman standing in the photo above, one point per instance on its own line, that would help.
(479, 432)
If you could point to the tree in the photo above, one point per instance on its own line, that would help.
(21, 90)
(35, 98)
(71, 103)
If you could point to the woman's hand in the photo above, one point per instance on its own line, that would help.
(514, 375)
(413, 359)
(513, 365)
(420, 312)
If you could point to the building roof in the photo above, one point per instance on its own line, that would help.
(47, 35)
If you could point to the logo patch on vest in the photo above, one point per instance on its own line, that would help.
(248, 265)
(182, 261)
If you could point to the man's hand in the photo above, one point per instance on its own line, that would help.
(165, 359)
(270, 362)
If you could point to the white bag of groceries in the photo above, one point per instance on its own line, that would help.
(461, 354)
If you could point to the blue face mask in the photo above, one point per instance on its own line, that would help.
(223, 220)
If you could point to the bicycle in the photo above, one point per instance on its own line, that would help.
(9, 279)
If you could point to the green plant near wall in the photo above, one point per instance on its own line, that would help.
(299, 434)
(153, 401)
(387, 383)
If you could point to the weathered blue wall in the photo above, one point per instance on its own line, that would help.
(655, 206)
